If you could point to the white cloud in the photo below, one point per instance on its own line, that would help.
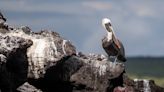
(143, 10)
(25, 6)
(147, 8)
(97, 5)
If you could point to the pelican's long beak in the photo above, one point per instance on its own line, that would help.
(106, 23)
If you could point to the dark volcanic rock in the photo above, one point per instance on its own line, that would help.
(13, 64)
(26, 87)
(46, 50)
(95, 74)
(137, 85)
(76, 74)
(143, 85)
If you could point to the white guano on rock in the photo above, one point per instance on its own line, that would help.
(63, 46)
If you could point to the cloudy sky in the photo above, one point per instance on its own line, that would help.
(139, 24)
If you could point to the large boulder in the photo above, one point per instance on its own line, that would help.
(13, 61)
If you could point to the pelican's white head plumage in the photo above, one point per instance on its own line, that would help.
(106, 23)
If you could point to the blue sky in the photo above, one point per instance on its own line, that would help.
(139, 24)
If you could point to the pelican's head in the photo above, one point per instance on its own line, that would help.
(106, 23)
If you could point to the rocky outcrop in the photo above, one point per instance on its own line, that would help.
(45, 62)
(51, 59)
(13, 61)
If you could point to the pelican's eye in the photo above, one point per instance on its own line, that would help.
(109, 24)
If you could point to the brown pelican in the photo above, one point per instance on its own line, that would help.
(110, 43)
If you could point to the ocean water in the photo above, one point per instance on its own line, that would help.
(145, 66)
